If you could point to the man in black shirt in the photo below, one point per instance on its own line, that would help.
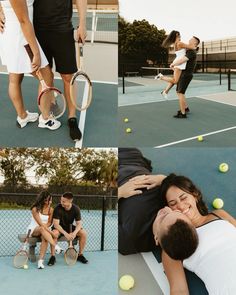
(185, 77)
(55, 33)
(65, 214)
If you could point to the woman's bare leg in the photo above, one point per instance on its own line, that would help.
(15, 94)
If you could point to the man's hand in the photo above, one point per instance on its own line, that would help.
(81, 33)
(149, 181)
(68, 237)
(73, 235)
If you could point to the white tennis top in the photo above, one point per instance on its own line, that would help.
(12, 41)
(214, 261)
(179, 54)
(33, 223)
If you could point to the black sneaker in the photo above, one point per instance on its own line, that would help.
(187, 110)
(82, 259)
(75, 133)
(179, 115)
(52, 261)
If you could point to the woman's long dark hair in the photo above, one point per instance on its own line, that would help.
(187, 186)
(40, 200)
(170, 39)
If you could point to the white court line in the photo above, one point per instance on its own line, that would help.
(157, 270)
(82, 118)
(195, 137)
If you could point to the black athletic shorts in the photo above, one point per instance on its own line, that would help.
(60, 47)
(60, 234)
(135, 218)
(183, 83)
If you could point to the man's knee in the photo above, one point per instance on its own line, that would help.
(82, 234)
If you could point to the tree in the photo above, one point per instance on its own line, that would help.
(141, 41)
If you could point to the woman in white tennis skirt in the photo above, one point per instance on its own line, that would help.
(17, 32)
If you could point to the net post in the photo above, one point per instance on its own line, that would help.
(229, 82)
(220, 74)
(103, 222)
(123, 78)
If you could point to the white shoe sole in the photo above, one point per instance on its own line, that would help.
(25, 123)
(42, 125)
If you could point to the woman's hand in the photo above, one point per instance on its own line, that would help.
(36, 62)
(149, 181)
(129, 189)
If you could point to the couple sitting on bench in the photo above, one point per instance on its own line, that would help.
(51, 225)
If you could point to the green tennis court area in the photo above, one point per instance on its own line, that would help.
(150, 116)
(95, 123)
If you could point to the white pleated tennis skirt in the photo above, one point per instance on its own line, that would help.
(12, 52)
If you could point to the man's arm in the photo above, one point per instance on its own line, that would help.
(56, 223)
(77, 228)
(179, 61)
(81, 6)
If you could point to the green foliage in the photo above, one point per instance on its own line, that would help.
(141, 41)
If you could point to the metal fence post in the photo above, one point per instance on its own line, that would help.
(123, 78)
(103, 222)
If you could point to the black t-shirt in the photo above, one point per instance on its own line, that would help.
(67, 217)
(53, 15)
(191, 63)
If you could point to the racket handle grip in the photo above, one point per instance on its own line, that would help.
(29, 52)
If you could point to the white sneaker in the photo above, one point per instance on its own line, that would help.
(58, 249)
(31, 117)
(159, 76)
(40, 264)
(51, 123)
(164, 94)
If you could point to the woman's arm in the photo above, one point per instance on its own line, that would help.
(181, 45)
(37, 217)
(150, 181)
(129, 189)
(175, 274)
(21, 11)
(224, 215)
(49, 223)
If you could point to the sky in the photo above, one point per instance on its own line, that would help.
(206, 19)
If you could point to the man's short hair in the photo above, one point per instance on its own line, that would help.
(180, 241)
(196, 38)
(68, 195)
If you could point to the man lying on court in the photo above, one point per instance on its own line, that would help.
(65, 214)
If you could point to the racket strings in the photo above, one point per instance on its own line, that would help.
(81, 91)
(20, 259)
(71, 256)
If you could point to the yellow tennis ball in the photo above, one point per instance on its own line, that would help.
(25, 266)
(200, 138)
(126, 120)
(218, 203)
(128, 130)
(223, 167)
(126, 282)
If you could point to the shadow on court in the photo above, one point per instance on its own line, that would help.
(98, 277)
(100, 125)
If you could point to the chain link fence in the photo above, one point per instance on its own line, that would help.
(99, 219)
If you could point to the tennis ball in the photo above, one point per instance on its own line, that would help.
(128, 130)
(200, 138)
(126, 120)
(25, 266)
(218, 203)
(126, 282)
(223, 167)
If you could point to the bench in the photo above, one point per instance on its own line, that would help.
(131, 73)
(33, 243)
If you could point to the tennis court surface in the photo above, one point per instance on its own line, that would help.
(212, 113)
(200, 165)
(99, 128)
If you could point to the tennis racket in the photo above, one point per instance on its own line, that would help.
(80, 84)
(57, 105)
(71, 254)
(21, 257)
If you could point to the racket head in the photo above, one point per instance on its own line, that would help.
(20, 259)
(81, 91)
(71, 256)
(57, 101)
